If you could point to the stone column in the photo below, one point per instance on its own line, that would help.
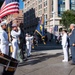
(67, 4)
(55, 7)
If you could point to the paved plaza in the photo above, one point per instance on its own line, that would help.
(47, 62)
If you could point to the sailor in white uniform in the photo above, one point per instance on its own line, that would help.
(28, 44)
(4, 44)
(15, 35)
(64, 45)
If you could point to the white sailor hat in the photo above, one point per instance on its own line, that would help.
(14, 25)
(3, 23)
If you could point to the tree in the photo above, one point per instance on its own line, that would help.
(68, 17)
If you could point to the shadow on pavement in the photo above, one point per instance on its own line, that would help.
(47, 47)
(34, 59)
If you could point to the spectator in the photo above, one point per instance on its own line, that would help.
(72, 42)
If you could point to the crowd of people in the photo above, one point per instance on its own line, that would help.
(67, 41)
(16, 41)
(4, 39)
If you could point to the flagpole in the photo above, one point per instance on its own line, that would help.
(9, 33)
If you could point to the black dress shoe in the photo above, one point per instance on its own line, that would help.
(70, 57)
(28, 56)
(72, 63)
(25, 59)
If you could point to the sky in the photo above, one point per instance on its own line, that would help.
(20, 4)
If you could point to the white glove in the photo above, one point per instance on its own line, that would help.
(10, 44)
(18, 28)
(32, 36)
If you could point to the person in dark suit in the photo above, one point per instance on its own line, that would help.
(72, 42)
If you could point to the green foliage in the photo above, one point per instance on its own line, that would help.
(68, 17)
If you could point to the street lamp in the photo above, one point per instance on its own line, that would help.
(53, 13)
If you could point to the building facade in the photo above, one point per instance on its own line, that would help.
(52, 10)
(18, 17)
(33, 10)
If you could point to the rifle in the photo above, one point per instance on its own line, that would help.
(9, 23)
(9, 37)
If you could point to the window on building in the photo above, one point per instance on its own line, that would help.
(40, 6)
(73, 7)
(72, 4)
(27, 8)
(25, 5)
(39, 1)
(40, 12)
(45, 3)
(52, 6)
(45, 10)
(35, 8)
(61, 7)
(63, 1)
(33, 4)
(28, 3)
(36, 3)
(72, 1)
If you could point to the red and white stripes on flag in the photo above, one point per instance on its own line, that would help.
(9, 8)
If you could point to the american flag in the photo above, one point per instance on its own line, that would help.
(9, 7)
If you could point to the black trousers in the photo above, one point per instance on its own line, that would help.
(73, 53)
